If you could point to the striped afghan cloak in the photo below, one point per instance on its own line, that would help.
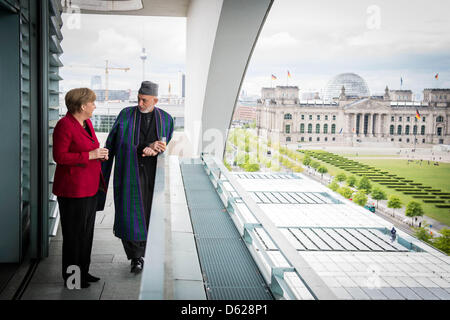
(122, 143)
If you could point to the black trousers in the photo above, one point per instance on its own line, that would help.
(134, 249)
(77, 224)
(147, 173)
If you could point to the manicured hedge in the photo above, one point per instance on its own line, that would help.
(443, 206)
(424, 197)
(433, 201)
(385, 178)
(417, 193)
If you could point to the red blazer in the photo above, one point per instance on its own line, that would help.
(76, 176)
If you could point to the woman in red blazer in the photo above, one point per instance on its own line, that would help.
(77, 154)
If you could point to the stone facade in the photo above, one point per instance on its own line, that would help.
(281, 116)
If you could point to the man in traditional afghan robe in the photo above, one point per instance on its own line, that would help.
(136, 139)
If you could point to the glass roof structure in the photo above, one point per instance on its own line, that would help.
(347, 246)
(354, 85)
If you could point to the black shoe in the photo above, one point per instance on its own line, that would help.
(91, 278)
(137, 264)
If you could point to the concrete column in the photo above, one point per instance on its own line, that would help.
(369, 124)
(221, 36)
(348, 132)
(374, 124)
(380, 125)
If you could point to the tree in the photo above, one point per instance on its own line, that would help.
(346, 192)
(275, 167)
(394, 202)
(414, 209)
(322, 170)
(333, 186)
(351, 181)
(227, 165)
(378, 194)
(422, 233)
(365, 184)
(251, 167)
(360, 198)
(307, 160)
(315, 164)
(341, 177)
(443, 242)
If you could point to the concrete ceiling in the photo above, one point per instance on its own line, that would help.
(167, 8)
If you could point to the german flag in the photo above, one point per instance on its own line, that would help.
(417, 114)
(273, 77)
(436, 76)
(289, 74)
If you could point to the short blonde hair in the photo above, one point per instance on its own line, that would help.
(75, 98)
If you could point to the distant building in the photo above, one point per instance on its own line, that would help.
(244, 113)
(346, 120)
(436, 95)
(113, 95)
(401, 95)
(182, 84)
(96, 82)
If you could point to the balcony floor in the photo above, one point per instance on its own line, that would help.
(108, 261)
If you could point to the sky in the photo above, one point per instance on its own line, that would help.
(380, 40)
(89, 40)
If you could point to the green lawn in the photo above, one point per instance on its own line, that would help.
(354, 156)
(437, 177)
(434, 176)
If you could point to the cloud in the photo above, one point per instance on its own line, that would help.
(119, 39)
(317, 40)
(115, 47)
(279, 41)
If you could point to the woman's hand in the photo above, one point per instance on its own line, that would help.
(99, 153)
(149, 152)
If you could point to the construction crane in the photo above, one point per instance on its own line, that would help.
(106, 68)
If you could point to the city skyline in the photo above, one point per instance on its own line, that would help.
(382, 43)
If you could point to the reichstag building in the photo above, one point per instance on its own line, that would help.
(348, 115)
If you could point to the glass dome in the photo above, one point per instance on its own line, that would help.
(354, 86)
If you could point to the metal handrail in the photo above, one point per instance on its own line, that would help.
(314, 284)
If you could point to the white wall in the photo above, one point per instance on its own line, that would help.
(201, 27)
(220, 39)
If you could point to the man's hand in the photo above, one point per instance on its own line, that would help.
(158, 146)
(149, 152)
